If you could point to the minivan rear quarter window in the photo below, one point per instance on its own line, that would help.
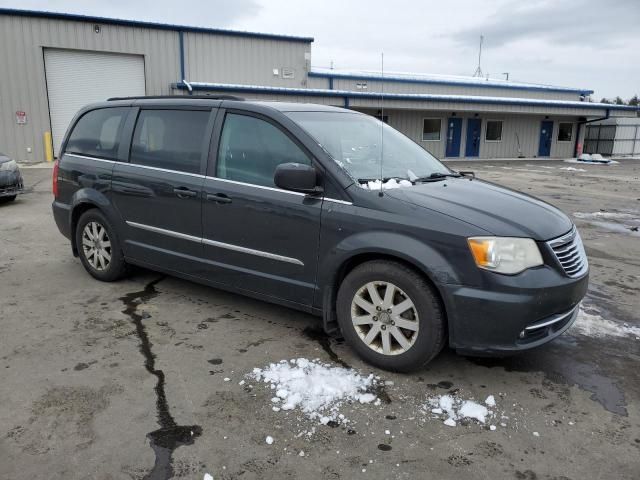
(251, 149)
(97, 133)
(170, 139)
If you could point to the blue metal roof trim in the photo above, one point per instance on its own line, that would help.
(146, 24)
(400, 96)
(448, 82)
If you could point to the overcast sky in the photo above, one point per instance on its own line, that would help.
(591, 44)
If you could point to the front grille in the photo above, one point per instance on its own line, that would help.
(570, 253)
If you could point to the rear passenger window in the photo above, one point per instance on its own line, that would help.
(170, 139)
(97, 133)
(251, 149)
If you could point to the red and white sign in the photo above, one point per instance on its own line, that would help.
(21, 118)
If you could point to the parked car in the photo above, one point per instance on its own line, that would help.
(10, 179)
(282, 202)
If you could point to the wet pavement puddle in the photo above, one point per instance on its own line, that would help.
(165, 440)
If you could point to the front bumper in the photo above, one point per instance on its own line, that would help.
(512, 313)
(10, 183)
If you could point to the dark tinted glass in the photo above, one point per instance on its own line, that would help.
(494, 130)
(97, 133)
(431, 129)
(171, 139)
(564, 132)
(251, 149)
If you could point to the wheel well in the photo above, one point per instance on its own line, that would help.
(75, 216)
(359, 259)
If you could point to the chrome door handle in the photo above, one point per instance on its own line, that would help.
(218, 198)
(183, 192)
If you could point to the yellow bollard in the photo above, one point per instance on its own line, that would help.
(48, 147)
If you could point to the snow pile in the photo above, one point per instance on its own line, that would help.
(316, 389)
(388, 185)
(456, 409)
(591, 323)
(594, 158)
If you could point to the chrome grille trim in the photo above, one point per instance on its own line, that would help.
(569, 252)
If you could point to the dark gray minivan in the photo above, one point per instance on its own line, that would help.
(283, 202)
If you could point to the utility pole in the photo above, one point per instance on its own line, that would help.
(478, 72)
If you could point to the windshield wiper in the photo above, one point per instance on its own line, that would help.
(436, 176)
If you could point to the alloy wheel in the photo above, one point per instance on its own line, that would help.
(385, 318)
(96, 246)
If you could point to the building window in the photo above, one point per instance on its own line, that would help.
(565, 132)
(431, 129)
(494, 131)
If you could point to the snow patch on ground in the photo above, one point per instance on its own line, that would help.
(388, 185)
(603, 215)
(315, 388)
(454, 409)
(471, 409)
(573, 169)
(591, 162)
(591, 323)
(627, 222)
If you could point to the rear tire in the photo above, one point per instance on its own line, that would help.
(98, 247)
(391, 316)
(8, 199)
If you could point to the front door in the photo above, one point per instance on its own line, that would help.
(454, 133)
(546, 132)
(472, 148)
(258, 237)
(159, 192)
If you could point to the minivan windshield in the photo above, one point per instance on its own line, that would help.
(355, 141)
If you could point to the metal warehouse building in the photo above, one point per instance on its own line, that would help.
(53, 64)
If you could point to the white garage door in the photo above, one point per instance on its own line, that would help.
(76, 78)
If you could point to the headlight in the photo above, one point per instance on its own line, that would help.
(8, 166)
(505, 254)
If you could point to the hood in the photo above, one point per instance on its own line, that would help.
(493, 208)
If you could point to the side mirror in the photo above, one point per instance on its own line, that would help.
(297, 177)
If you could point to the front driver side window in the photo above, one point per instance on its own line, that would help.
(251, 149)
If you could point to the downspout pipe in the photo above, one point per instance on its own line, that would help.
(575, 147)
(182, 66)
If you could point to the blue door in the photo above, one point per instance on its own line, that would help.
(546, 131)
(454, 133)
(472, 148)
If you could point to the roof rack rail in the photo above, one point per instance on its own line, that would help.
(179, 97)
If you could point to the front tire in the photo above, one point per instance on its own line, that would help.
(98, 247)
(7, 199)
(391, 316)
